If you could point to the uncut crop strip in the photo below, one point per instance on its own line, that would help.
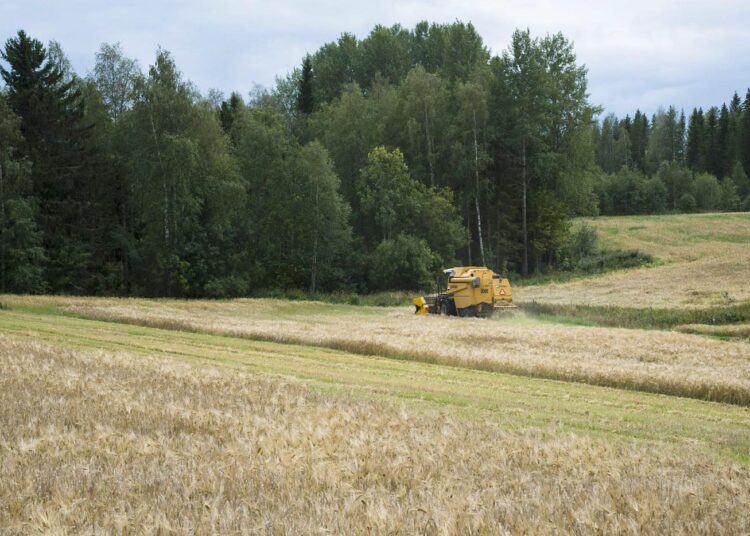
(505, 398)
(164, 440)
(650, 361)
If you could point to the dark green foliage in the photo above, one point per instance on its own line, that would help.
(57, 141)
(696, 143)
(713, 153)
(707, 191)
(639, 132)
(676, 179)
(744, 134)
(404, 263)
(687, 203)
(394, 204)
(631, 192)
(741, 181)
(605, 261)
(229, 111)
(583, 256)
(730, 198)
(583, 242)
(722, 163)
(305, 100)
(21, 252)
(665, 140)
(374, 165)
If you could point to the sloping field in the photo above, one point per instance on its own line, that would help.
(706, 262)
(108, 427)
(646, 360)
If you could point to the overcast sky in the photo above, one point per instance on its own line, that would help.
(640, 53)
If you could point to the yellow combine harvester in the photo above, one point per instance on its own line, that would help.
(472, 291)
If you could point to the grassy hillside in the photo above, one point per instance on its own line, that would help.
(127, 428)
(704, 262)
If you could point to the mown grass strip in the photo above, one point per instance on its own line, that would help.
(639, 318)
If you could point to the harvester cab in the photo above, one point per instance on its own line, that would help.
(472, 291)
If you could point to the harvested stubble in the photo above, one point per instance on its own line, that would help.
(707, 264)
(653, 361)
(100, 442)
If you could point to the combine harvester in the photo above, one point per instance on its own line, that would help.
(472, 291)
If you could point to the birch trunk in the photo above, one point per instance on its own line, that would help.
(476, 191)
(314, 270)
(525, 265)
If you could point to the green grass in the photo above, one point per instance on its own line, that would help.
(376, 299)
(671, 230)
(638, 318)
(516, 402)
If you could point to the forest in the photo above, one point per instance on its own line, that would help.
(371, 166)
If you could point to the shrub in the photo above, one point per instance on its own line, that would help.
(404, 263)
(687, 203)
(605, 261)
(226, 287)
(707, 192)
(583, 242)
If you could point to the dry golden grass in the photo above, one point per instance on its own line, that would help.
(101, 442)
(655, 361)
(706, 256)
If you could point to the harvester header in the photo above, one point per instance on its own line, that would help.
(472, 291)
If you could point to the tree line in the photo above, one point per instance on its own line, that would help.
(670, 163)
(373, 165)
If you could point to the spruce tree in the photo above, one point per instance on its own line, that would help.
(21, 252)
(735, 125)
(305, 97)
(723, 144)
(711, 141)
(696, 151)
(680, 140)
(229, 111)
(639, 139)
(56, 141)
(745, 134)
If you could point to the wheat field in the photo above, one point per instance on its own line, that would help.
(705, 261)
(655, 361)
(116, 429)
